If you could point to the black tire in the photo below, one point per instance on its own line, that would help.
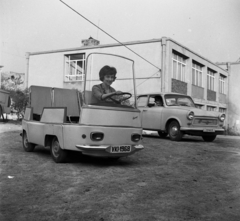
(28, 147)
(174, 131)
(162, 134)
(209, 138)
(58, 154)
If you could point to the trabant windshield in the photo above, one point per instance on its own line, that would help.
(179, 100)
(109, 81)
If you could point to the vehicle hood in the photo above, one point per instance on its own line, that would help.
(197, 111)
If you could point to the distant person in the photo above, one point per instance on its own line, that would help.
(101, 91)
(158, 101)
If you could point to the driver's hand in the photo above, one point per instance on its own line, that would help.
(118, 92)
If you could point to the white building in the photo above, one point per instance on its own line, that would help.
(160, 65)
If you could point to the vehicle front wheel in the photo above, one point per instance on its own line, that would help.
(174, 131)
(58, 154)
(209, 138)
(162, 134)
(28, 147)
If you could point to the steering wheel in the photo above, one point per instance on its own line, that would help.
(116, 101)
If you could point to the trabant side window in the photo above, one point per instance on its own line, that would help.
(142, 101)
(179, 100)
(109, 81)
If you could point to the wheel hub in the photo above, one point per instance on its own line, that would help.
(55, 149)
(174, 131)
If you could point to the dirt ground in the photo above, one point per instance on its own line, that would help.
(188, 180)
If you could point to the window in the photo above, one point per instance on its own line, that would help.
(179, 66)
(74, 67)
(222, 84)
(222, 110)
(199, 106)
(211, 108)
(142, 101)
(210, 80)
(197, 74)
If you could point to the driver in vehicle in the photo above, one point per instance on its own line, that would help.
(158, 101)
(104, 90)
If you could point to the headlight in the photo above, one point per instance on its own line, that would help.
(190, 115)
(96, 136)
(136, 137)
(222, 117)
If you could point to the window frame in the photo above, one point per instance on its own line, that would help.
(222, 110)
(211, 80)
(75, 68)
(222, 84)
(197, 74)
(211, 108)
(180, 61)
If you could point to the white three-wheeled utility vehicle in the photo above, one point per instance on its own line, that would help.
(66, 119)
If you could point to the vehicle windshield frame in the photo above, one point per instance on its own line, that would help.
(132, 78)
(177, 97)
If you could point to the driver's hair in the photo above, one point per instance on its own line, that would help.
(107, 70)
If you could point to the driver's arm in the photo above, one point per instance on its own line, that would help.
(97, 92)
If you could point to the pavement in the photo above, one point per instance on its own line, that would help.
(10, 126)
(154, 133)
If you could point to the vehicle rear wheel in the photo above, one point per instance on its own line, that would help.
(28, 147)
(174, 131)
(162, 134)
(209, 138)
(58, 154)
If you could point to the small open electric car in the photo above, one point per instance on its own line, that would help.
(66, 119)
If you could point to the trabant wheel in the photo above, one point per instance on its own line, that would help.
(209, 138)
(58, 154)
(28, 147)
(174, 131)
(162, 134)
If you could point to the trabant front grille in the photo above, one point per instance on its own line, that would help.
(205, 122)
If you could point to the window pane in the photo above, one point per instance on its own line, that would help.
(74, 67)
(200, 79)
(174, 69)
(179, 71)
(183, 73)
(142, 101)
(193, 76)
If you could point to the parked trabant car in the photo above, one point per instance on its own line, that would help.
(175, 115)
(66, 119)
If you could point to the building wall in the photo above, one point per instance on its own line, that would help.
(47, 69)
(201, 95)
(233, 96)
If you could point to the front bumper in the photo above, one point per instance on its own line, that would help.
(201, 131)
(105, 150)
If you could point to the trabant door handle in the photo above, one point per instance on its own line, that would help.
(144, 110)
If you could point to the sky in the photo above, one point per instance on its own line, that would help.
(210, 28)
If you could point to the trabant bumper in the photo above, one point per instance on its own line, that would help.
(105, 150)
(202, 130)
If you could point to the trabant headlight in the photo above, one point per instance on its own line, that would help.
(136, 137)
(222, 117)
(97, 136)
(190, 115)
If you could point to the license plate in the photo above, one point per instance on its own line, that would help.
(208, 130)
(121, 149)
